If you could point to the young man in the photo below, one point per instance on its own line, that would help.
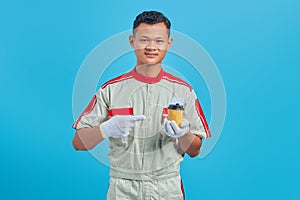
(146, 149)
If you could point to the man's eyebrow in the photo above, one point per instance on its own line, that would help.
(158, 37)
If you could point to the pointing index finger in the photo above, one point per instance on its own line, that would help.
(137, 118)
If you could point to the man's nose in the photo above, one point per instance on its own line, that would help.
(151, 45)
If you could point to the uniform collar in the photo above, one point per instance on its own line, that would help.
(147, 79)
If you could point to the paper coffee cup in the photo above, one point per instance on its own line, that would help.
(175, 113)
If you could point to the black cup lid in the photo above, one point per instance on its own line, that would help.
(176, 106)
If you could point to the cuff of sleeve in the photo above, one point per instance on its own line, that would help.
(200, 134)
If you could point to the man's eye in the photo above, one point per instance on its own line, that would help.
(144, 40)
(159, 41)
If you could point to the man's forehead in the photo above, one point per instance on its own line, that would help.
(151, 31)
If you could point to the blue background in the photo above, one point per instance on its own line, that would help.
(255, 45)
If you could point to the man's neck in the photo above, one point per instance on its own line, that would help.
(148, 70)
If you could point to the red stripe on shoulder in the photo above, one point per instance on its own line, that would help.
(202, 117)
(88, 109)
(117, 79)
(174, 79)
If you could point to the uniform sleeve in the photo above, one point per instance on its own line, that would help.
(194, 114)
(95, 113)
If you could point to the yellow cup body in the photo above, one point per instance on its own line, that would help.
(175, 115)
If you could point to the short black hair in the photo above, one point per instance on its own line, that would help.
(151, 17)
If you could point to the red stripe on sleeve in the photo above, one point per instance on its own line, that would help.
(165, 113)
(88, 109)
(182, 189)
(202, 117)
(120, 111)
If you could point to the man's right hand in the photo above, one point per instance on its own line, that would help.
(119, 126)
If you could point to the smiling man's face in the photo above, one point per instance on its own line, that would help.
(150, 43)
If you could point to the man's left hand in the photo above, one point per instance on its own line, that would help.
(173, 130)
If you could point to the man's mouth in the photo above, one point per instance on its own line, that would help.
(151, 55)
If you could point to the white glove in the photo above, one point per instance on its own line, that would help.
(119, 126)
(172, 129)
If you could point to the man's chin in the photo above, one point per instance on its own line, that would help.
(152, 64)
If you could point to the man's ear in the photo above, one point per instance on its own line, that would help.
(170, 41)
(131, 38)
